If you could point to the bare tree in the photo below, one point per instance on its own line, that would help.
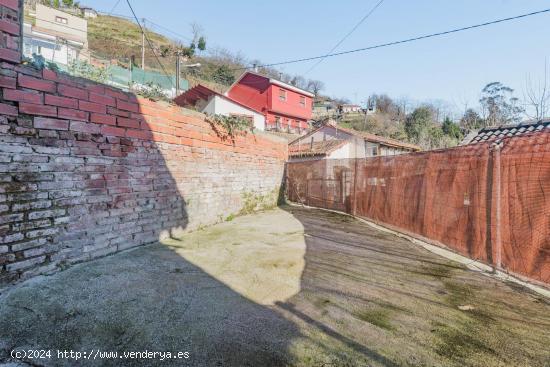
(315, 86)
(537, 96)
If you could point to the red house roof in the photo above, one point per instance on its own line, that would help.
(272, 81)
(316, 148)
(201, 92)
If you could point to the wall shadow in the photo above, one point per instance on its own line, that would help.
(118, 192)
(149, 299)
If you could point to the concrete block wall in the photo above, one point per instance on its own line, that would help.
(87, 170)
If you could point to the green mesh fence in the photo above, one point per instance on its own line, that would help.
(123, 77)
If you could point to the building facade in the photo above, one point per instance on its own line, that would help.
(284, 106)
(333, 142)
(210, 102)
(58, 36)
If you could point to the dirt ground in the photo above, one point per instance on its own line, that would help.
(286, 287)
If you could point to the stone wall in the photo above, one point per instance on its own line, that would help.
(87, 170)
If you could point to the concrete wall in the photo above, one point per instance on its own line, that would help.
(87, 170)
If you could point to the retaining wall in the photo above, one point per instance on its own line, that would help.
(87, 170)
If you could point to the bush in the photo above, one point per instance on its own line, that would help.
(85, 70)
(149, 90)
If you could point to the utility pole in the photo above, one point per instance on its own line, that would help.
(143, 45)
(178, 58)
(178, 55)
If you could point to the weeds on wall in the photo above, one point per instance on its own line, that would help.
(229, 126)
(253, 202)
(39, 62)
(85, 70)
(149, 90)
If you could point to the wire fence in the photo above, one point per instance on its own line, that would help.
(488, 201)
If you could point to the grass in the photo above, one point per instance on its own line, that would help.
(379, 317)
(459, 342)
(113, 37)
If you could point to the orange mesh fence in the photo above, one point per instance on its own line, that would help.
(525, 206)
(487, 203)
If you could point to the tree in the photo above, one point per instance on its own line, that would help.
(223, 75)
(451, 129)
(471, 120)
(68, 3)
(56, 3)
(418, 124)
(537, 96)
(198, 40)
(499, 105)
(384, 104)
(315, 86)
(201, 45)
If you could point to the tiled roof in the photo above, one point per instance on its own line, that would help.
(500, 132)
(314, 149)
(202, 92)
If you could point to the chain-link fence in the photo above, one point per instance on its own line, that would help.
(488, 201)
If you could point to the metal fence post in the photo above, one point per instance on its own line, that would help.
(497, 146)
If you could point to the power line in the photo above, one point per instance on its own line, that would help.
(149, 42)
(346, 36)
(169, 30)
(408, 40)
(114, 7)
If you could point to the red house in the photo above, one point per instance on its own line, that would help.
(285, 107)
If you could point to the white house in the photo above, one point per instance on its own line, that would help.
(208, 101)
(349, 108)
(333, 142)
(58, 36)
(89, 12)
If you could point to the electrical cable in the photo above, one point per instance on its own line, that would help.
(346, 36)
(150, 44)
(408, 40)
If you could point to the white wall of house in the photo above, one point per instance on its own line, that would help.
(222, 106)
(331, 133)
(357, 147)
(50, 47)
(345, 151)
(62, 22)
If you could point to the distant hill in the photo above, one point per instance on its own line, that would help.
(117, 38)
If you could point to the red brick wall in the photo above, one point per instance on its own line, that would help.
(10, 30)
(87, 170)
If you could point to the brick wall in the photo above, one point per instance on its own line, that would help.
(10, 30)
(87, 170)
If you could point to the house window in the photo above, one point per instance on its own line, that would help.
(282, 94)
(302, 101)
(277, 123)
(61, 20)
(371, 149)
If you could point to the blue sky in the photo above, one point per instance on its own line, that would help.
(452, 68)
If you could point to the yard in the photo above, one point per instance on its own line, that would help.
(290, 286)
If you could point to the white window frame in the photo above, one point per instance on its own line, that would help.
(282, 95)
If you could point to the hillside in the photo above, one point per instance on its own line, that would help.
(114, 38)
(117, 38)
